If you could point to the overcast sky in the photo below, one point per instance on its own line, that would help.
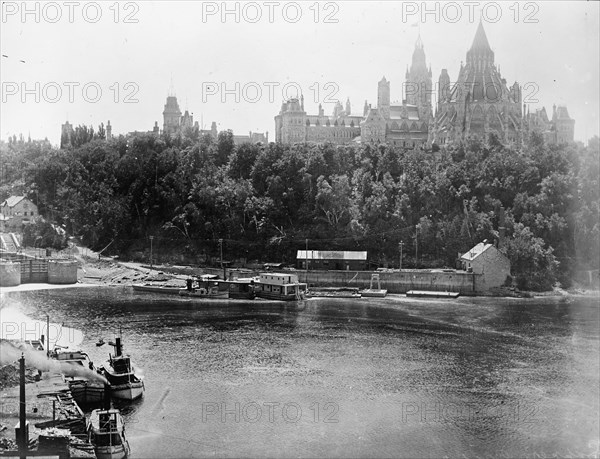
(331, 50)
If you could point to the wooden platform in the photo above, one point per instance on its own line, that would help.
(431, 294)
(374, 292)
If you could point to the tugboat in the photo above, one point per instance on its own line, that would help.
(107, 433)
(123, 383)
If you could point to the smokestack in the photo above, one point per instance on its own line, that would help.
(106, 399)
(118, 347)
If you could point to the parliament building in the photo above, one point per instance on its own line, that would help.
(478, 103)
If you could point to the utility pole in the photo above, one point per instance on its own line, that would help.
(416, 246)
(306, 262)
(221, 249)
(48, 336)
(151, 239)
(401, 244)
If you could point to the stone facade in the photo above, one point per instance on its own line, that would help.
(17, 211)
(492, 265)
(293, 125)
(478, 103)
(252, 137)
(559, 129)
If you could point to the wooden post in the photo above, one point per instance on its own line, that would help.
(306, 263)
(22, 440)
(48, 336)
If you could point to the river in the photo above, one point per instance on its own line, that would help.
(393, 377)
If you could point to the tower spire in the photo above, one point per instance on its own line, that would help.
(171, 87)
(480, 42)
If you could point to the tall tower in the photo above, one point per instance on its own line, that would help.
(108, 131)
(67, 132)
(383, 97)
(171, 115)
(564, 125)
(443, 87)
(348, 107)
(418, 80)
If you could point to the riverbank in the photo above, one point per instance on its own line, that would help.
(94, 270)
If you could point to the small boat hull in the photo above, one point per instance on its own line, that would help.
(204, 295)
(431, 294)
(334, 292)
(156, 289)
(111, 452)
(129, 391)
(279, 296)
(374, 293)
(107, 433)
(87, 393)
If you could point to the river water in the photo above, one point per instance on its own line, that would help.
(393, 377)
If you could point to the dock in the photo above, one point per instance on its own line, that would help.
(431, 294)
(55, 424)
(374, 292)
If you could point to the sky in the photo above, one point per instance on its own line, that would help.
(235, 62)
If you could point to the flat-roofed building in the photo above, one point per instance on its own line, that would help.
(332, 259)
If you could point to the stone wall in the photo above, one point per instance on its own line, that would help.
(10, 274)
(62, 272)
(396, 282)
(494, 268)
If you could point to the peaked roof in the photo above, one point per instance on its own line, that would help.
(476, 251)
(562, 113)
(14, 200)
(480, 42)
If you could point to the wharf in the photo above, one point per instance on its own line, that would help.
(49, 405)
(374, 292)
(431, 294)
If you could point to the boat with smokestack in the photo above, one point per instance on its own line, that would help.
(123, 383)
(106, 432)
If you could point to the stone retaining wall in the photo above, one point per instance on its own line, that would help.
(10, 274)
(62, 272)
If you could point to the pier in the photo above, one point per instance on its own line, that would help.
(54, 425)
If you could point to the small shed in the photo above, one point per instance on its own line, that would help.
(491, 266)
(333, 260)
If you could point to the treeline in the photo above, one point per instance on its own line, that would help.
(266, 201)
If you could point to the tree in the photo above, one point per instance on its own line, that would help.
(532, 264)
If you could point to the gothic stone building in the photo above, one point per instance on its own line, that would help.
(477, 104)
(293, 125)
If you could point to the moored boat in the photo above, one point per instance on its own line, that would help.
(107, 433)
(123, 383)
(278, 286)
(333, 292)
(432, 294)
(170, 290)
(240, 289)
(207, 288)
(81, 375)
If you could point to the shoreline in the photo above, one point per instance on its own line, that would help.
(108, 272)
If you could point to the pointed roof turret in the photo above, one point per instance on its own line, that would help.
(480, 49)
(480, 42)
(419, 43)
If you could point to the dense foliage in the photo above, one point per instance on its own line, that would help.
(266, 201)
